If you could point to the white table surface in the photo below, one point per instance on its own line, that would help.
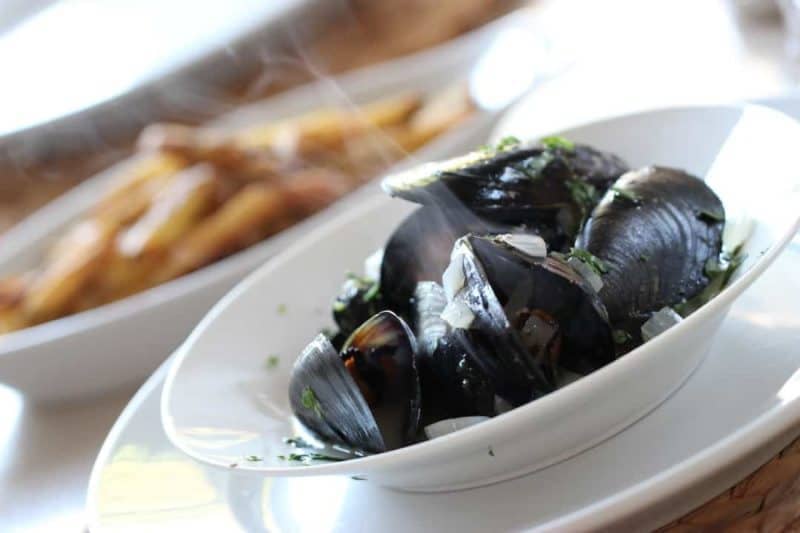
(633, 53)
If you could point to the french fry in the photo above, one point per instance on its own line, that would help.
(438, 114)
(132, 192)
(172, 213)
(119, 277)
(12, 291)
(69, 268)
(309, 191)
(327, 128)
(257, 207)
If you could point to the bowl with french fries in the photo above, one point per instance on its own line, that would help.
(98, 287)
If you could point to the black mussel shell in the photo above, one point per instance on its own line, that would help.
(655, 232)
(598, 168)
(557, 185)
(368, 396)
(452, 385)
(358, 299)
(419, 249)
(532, 315)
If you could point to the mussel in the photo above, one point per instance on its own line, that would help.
(367, 397)
(419, 249)
(358, 300)
(452, 385)
(655, 233)
(521, 315)
(557, 183)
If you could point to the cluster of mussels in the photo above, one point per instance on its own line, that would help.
(526, 266)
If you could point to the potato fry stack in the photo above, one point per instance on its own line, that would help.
(196, 195)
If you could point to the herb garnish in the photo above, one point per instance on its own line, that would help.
(644, 258)
(254, 458)
(534, 167)
(628, 195)
(583, 194)
(272, 361)
(554, 142)
(308, 457)
(621, 336)
(373, 292)
(595, 263)
(310, 401)
(506, 143)
(719, 272)
(710, 216)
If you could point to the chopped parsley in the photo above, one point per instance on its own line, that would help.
(621, 336)
(644, 258)
(310, 401)
(506, 143)
(373, 292)
(583, 194)
(282, 309)
(254, 458)
(308, 457)
(534, 167)
(628, 195)
(719, 272)
(272, 362)
(711, 216)
(554, 142)
(595, 263)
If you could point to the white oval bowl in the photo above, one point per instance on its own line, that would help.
(221, 404)
(121, 343)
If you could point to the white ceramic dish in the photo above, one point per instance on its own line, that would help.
(121, 343)
(220, 405)
(736, 411)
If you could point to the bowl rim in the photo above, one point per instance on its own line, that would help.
(499, 426)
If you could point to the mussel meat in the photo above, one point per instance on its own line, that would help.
(521, 316)
(655, 233)
(367, 397)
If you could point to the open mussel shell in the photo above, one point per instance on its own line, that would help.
(655, 232)
(453, 386)
(368, 396)
(419, 249)
(530, 316)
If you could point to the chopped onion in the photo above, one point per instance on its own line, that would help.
(453, 278)
(531, 245)
(458, 314)
(450, 425)
(372, 265)
(586, 273)
(661, 321)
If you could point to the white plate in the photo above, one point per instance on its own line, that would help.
(123, 342)
(738, 409)
(220, 404)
